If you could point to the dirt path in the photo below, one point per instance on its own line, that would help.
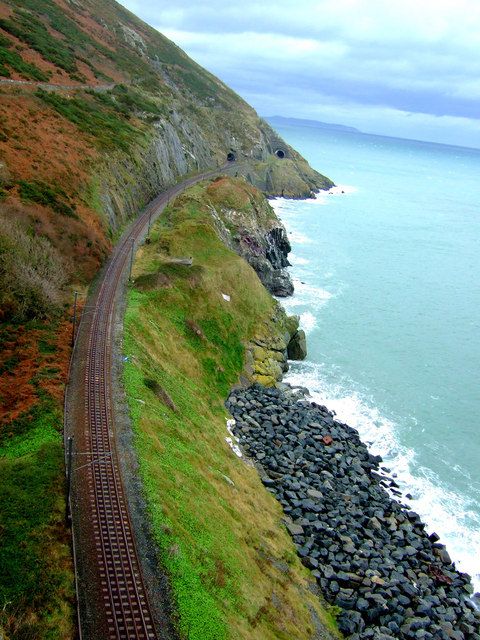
(58, 87)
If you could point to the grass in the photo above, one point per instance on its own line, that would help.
(233, 569)
(36, 581)
(36, 587)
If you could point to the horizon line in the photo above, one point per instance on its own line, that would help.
(370, 133)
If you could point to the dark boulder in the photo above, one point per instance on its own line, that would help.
(297, 347)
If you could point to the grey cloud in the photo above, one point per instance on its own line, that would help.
(405, 55)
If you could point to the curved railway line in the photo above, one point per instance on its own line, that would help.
(112, 596)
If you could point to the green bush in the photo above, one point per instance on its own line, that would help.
(16, 62)
(131, 100)
(94, 118)
(27, 28)
(43, 193)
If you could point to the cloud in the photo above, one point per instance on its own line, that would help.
(412, 56)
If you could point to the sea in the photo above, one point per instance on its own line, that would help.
(386, 268)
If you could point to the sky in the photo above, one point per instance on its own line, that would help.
(406, 68)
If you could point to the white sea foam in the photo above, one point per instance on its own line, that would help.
(299, 238)
(307, 321)
(297, 260)
(310, 291)
(443, 510)
(306, 295)
(283, 205)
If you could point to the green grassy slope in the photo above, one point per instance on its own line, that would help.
(234, 570)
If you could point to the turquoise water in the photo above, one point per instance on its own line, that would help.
(387, 278)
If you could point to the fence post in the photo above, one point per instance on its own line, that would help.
(74, 323)
(131, 259)
(69, 478)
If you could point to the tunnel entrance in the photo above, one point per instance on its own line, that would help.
(280, 153)
(231, 157)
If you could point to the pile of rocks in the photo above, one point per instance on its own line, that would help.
(370, 555)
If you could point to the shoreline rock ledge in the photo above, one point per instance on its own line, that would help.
(369, 554)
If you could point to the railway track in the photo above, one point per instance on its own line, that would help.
(113, 599)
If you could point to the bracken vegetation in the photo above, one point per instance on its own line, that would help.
(105, 125)
(42, 193)
(34, 33)
(12, 60)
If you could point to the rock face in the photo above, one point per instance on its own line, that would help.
(297, 347)
(278, 248)
(267, 352)
(276, 280)
(246, 222)
(179, 145)
(369, 554)
(271, 270)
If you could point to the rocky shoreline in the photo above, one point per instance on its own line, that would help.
(370, 555)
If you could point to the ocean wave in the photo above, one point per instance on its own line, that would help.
(306, 295)
(284, 205)
(443, 510)
(297, 260)
(307, 321)
(299, 238)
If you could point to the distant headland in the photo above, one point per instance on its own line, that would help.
(315, 124)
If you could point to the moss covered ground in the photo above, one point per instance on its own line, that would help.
(233, 568)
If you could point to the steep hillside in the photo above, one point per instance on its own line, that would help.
(98, 113)
(234, 570)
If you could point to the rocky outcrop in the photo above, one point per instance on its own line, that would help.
(277, 281)
(247, 223)
(278, 247)
(279, 170)
(268, 352)
(271, 264)
(370, 555)
(178, 145)
(297, 347)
